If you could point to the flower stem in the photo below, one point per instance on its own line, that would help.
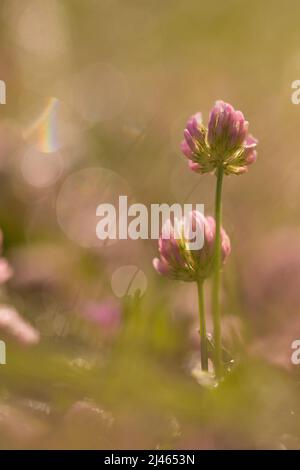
(203, 339)
(217, 277)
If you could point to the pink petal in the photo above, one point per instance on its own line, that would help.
(13, 325)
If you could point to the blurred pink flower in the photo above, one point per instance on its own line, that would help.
(226, 142)
(6, 270)
(11, 323)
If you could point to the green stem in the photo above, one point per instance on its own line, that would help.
(217, 277)
(203, 339)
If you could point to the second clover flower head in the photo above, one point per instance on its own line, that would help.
(225, 142)
(177, 260)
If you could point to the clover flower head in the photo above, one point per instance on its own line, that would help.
(177, 258)
(225, 142)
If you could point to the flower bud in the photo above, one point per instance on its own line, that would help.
(178, 259)
(225, 142)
